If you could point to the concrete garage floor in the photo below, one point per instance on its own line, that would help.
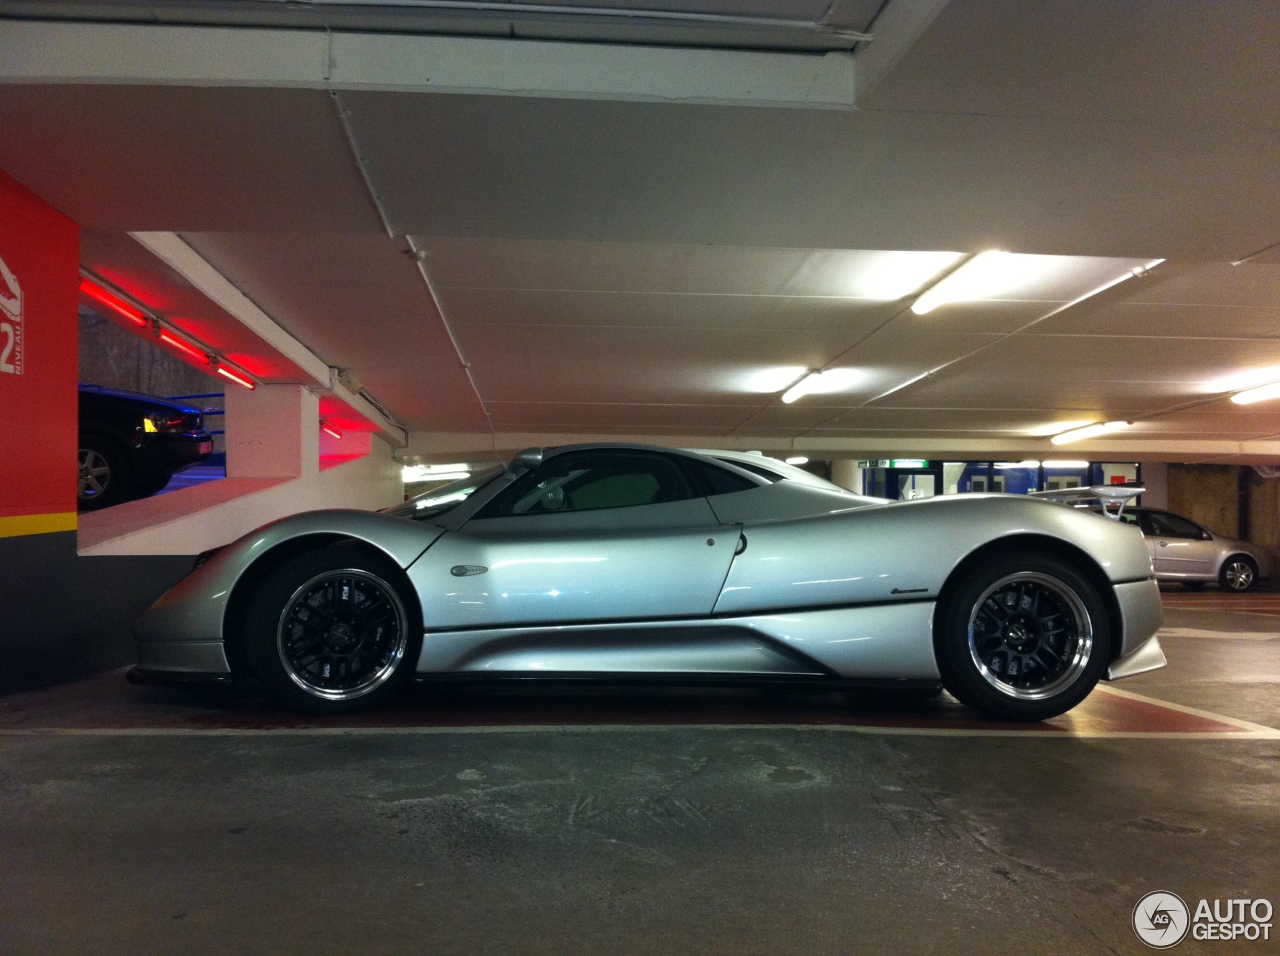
(634, 820)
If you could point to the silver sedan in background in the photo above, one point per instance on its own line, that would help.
(1192, 555)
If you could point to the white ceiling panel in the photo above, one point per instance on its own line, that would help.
(589, 364)
(935, 420)
(181, 159)
(609, 266)
(851, 317)
(620, 417)
(521, 167)
(360, 303)
(1060, 358)
(1060, 400)
(1110, 60)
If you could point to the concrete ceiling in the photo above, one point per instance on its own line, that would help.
(514, 241)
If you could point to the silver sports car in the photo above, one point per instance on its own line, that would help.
(625, 561)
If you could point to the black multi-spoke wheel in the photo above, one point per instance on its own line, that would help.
(1024, 637)
(330, 631)
(1239, 573)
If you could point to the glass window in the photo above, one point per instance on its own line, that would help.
(590, 481)
(1166, 525)
(718, 481)
(755, 469)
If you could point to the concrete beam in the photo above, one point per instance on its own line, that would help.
(174, 252)
(54, 52)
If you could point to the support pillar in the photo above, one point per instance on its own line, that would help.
(272, 432)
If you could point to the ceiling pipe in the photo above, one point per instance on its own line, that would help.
(617, 13)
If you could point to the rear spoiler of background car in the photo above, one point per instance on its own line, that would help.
(1112, 498)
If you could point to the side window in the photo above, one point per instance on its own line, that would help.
(1129, 517)
(590, 481)
(1173, 526)
(754, 469)
(719, 481)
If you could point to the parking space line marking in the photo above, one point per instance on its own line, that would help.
(1244, 725)
(1261, 733)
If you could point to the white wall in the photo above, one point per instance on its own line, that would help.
(196, 519)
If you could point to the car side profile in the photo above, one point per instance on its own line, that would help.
(640, 562)
(132, 444)
(1190, 554)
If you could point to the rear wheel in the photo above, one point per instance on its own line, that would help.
(334, 631)
(1239, 573)
(150, 485)
(1022, 637)
(104, 473)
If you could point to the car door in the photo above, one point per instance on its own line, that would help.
(1181, 547)
(594, 535)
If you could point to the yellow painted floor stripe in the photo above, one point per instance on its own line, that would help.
(37, 524)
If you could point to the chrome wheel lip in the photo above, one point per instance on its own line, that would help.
(1083, 648)
(1238, 573)
(383, 674)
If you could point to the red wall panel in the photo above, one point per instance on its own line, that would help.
(39, 361)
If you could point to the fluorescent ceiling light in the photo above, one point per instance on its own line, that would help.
(1056, 428)
(1089, 431)
(1243, 380)
(1065, 464)
(1007, 465)
(822, 383)
(797, 460)
(1261, 393)
(419, 473)
(984, 274)
(240, 378)
(889, 276)
(763, 381)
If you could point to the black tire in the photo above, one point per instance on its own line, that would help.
(104, 477)
(1239, 574)
(321, 661)
(1193, 585)
(1024, 636)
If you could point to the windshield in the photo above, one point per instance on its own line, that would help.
(437, 501)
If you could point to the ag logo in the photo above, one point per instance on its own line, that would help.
(1161, 919)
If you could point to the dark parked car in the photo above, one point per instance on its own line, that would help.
(131, 444)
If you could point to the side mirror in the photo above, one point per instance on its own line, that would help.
(527, 460)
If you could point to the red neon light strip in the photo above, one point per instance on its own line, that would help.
(238, 379)
(330, 429)
(120, 307)
(182, 346)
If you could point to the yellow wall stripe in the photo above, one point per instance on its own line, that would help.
(37, 524)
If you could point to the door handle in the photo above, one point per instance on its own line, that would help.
(1164, 544)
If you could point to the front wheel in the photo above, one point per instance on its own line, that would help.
(334, 631)
(1239, 573)
(1022, 637)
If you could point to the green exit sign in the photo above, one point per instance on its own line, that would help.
(909, 463)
